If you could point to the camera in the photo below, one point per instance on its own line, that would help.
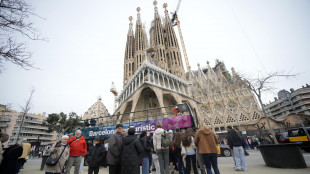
(58, 144)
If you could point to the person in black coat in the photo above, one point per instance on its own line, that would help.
(145, 141)
(10, 159)
(96, 156)
(132, 149)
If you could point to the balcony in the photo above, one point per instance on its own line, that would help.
(4, 125)
(34, 132)
(32, 137)
(33, 126)
(5, 119)
(29, 121)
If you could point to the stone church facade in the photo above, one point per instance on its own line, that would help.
(154, 79)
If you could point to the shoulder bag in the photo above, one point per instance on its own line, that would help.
(53, 161)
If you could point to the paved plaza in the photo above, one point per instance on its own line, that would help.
(255, 166)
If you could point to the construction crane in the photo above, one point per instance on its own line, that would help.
(175, 22)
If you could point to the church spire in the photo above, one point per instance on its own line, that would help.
(129, 54)
(174, 59)
(157, 35)
(140, 42)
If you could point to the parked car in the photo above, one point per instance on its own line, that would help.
(224, 150)
(282, 137)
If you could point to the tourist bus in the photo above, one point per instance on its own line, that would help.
(142, 120)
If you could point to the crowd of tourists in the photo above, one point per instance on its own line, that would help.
(165, 151)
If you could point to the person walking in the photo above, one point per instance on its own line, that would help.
(115, 150)
(57, 149)
(207, 142)
(189, 147)
(96, 156)
(78, 149)
(26, 152)
(132, 149)
(177, 148)
(147, 147)
(236, 142)
(162, 150)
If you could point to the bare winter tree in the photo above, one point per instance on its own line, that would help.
(25, 109)
(263, 84)
(14, 22)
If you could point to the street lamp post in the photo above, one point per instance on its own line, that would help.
(287, 96)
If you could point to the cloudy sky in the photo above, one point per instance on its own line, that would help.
(87, 43)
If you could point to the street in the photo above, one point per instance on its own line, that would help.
(255, 165)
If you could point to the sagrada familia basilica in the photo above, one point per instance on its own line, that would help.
(155, 77)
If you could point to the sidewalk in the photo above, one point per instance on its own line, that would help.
(224, 169)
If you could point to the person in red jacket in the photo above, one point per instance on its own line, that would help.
(78, 150)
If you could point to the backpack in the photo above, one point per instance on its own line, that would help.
(165, 140)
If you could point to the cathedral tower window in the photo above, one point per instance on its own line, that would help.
(255, 116)
(218, 121)
(243, 117)
(230, 119)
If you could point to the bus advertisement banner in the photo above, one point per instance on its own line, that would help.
(148, 125)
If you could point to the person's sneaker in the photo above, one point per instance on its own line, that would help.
(238, 169)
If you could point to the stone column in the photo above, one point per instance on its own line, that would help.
(163, 81)
(142, 76)
(168, 83)
(139, 79)
(153, 78)
(173, 84)
(178, 87)
(148, 75)
(158, 80)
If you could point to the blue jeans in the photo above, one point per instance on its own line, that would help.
(181, 167)
(239, 158)
(210, 159)
(150, 161)
(145, 165)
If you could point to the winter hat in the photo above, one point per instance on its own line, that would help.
(229, 127)
(131, 131)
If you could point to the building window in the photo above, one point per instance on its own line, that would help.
(207, 122)
(255, 116)
(218, 121)
(230, 119)
(243, 117)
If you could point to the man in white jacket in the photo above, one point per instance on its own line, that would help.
(163, 153)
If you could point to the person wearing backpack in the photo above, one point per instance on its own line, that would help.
(162, 141)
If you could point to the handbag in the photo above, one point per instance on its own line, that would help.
(53, 161)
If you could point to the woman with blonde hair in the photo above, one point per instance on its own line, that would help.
(58, 150)
(161, 150)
